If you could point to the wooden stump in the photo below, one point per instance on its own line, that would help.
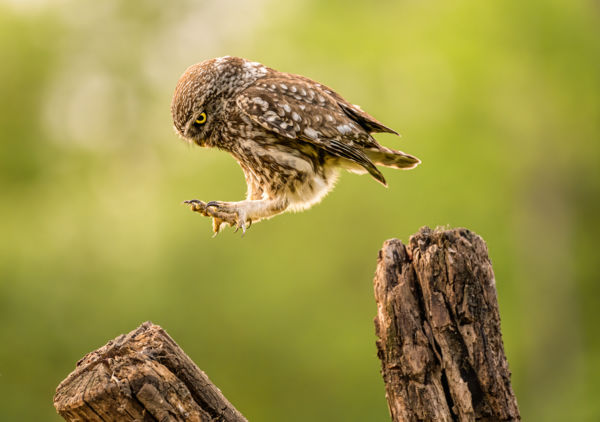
(438, 330)
(141, 376)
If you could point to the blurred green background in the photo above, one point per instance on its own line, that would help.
(500, 100)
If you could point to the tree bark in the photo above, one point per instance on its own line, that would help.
(141, 376)
(438, 330)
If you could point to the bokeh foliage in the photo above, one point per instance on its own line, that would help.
(499, 99)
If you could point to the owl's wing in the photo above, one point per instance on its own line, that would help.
(304, 110)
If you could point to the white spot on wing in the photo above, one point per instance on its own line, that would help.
(344, 129)
(261, 103)
(270, 116)
(311, 133)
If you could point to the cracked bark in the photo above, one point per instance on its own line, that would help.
(438, 329)
(141, 376)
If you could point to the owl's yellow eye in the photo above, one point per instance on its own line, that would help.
(201, 119)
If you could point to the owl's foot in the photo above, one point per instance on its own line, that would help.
(222, 213)
(229, 212)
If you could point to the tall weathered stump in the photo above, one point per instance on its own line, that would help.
(438, 330)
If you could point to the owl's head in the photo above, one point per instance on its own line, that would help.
(202, 92)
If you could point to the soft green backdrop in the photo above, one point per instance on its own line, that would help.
(501, 101)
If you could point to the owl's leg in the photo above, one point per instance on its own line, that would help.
(243, 213)
(238, 214)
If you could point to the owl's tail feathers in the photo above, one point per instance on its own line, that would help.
(392, 158)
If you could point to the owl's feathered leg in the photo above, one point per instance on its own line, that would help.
(238, 214)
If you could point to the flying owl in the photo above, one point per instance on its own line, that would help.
(289, 134)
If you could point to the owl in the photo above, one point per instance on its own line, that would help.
(289, 134)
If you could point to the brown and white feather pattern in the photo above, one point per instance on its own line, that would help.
(289, 134)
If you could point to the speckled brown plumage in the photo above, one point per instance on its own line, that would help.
(290, 135)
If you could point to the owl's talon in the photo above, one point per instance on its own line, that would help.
(196, 205)
(212, 204)
(193, 202)
(241, 225)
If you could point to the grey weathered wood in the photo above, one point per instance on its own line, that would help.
(438, 329)
(141, 376)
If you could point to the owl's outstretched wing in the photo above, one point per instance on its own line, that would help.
(298, 108)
